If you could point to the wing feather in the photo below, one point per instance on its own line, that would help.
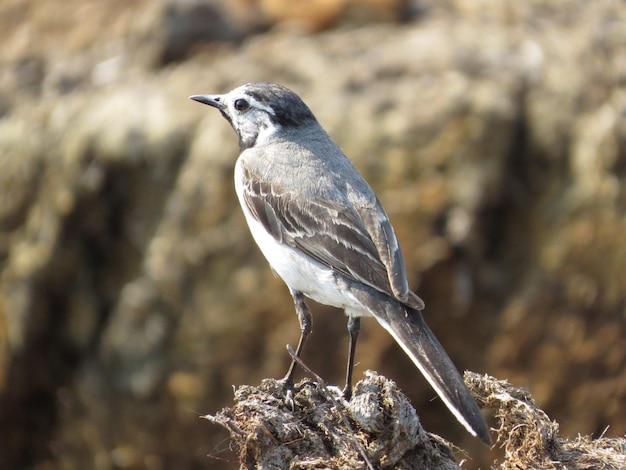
(356, 240)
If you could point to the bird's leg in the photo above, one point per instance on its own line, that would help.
(304, 316)
(354, 326)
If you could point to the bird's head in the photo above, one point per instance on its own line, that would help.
(257, 111)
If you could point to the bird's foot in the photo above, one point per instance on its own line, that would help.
(291, 389)
(347, 392)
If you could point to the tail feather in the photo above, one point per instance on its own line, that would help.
(408, 328)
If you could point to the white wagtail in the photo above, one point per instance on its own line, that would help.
(324, 232)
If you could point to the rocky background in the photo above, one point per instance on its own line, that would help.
(132, 297)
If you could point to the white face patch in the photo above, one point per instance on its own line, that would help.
(258, 105)
(253, 125)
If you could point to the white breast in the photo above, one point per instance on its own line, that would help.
(297, 270)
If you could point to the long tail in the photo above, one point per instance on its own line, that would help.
(411, 332)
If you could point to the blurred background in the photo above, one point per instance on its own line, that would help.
(132, 297)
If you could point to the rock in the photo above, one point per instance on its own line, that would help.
(316, 428)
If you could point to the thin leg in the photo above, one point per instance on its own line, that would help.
(354, 326)
(304, 316)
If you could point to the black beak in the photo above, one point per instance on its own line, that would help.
(212, 100)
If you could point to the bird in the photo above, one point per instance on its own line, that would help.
(325, 233)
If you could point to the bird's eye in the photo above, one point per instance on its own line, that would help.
(241, 104)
